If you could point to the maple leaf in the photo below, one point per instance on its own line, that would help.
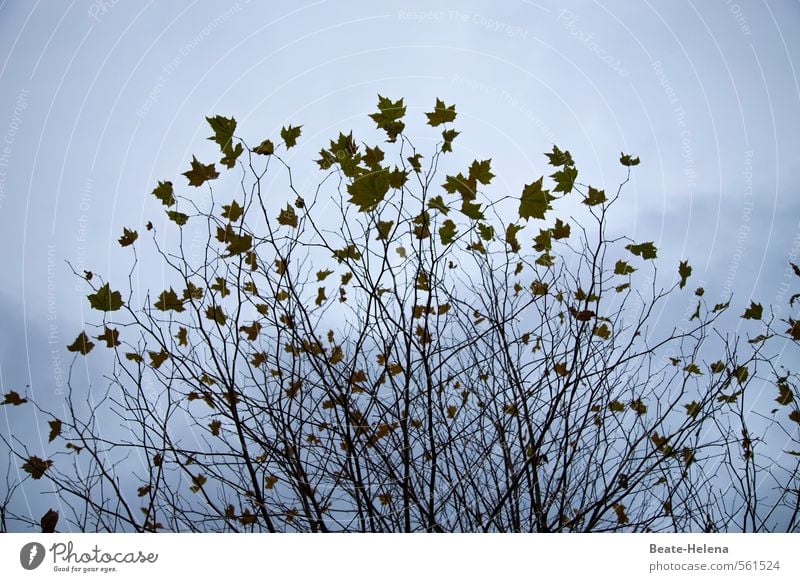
(534, 201)
(369, 190)
(448, 135)
(481, 171)
(415, 162)
(684, 272)
(200, 173)
(265, 148)
(384, 228)
(693, 408)
(565, 179)
(559, 158)
(290, 134)
(164, 193)
(48, 521)
(182, 336)
(441, 114)
(197, 483)
(388, 117)
(755, 311)
(214, 426)
(168, 301)
(232, 211)
(471, 210)
(128, 237)
(288, 217)
(251, 331)
(594, 197)
(55, 430)
(158, 358)
(216, 314)
(36, 467)
(110, 336)
(82, 345)
(645, 250)
(560, 230)
(447, 232)
(437, 203)
(223, 128)
(105, 299)
(178, 218)
(627, 160)
(13, 398)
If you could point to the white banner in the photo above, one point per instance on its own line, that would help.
(388, 557)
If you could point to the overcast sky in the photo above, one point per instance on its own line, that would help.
(99, 100)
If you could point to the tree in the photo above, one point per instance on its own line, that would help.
(392, 352)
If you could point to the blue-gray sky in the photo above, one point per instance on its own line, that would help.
(99, 100)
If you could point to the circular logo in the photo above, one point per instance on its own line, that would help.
(31, 555)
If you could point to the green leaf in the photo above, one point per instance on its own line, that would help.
(373, 158)
(543, 241)
(288, 217)
(511, 237)
(164, 193)
(623, 268)
(437, 203)
(158, 358)
(415, 162)
(178, 218)
(322, 275)
(481, 171)
(82, 345)
(627, 160)
(785, 397)
(265, 148)
(105, 299)
(349, 252)
(223, 128)
(616, 406)
(684, 272)
(693, 408)
(448, 135)
(717, 367)
(561, 230)
(110, 336)
(471, 210)
(534, 201)
(215, 313)
(693, 369)
(128, 237)
(645, 250)
(741, 373)
(289, 135)
(559, 158)
(441, 114)
(565, 179)
(594, 197)
(486, 231)
(448, 232)
(384, 229)
(232, 211)
(638, 407)
(369, 190)
(466, 187)
(168, 301)
(602, 331)
(389, 116)
(200, 173)
(755, 311)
